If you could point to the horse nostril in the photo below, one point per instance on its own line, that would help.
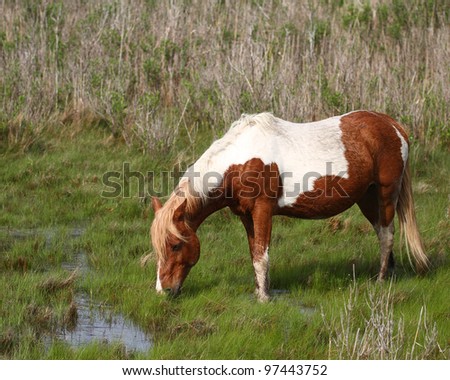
(172, 292)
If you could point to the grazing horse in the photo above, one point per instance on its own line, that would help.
(265, 166)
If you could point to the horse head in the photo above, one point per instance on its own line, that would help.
(176, 245)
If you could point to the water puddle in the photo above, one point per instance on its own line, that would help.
(278, 293)
(306, 310)
(48, 234)
(96, 322)
(303, 309)
(92, 321)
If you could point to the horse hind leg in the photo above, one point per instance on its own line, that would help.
(386, 238)
(388, 196)
(379, 213)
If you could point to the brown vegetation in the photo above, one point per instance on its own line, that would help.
(149, 70)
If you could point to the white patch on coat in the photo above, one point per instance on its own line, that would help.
(303, 152)
(386, 236)
(159, 288)
(261, 268)
(404, 146)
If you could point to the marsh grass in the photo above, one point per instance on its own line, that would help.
(318, 268)
(87, 86)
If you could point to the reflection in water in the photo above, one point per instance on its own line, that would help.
(96, 322)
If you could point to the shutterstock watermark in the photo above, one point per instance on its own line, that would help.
(120, 183)
(128, 183)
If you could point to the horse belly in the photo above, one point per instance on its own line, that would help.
(331, 196)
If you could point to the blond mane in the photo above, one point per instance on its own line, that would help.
(194, 188)
(163, 225)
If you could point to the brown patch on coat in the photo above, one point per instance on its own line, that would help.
(371, 136)
(251, 182)
(370, 143)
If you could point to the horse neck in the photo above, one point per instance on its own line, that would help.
(204, 209)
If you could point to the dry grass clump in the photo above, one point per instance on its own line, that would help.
(54, 284)
(193, 328)
(374, 332)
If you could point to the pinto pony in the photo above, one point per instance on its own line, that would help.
(264, 166)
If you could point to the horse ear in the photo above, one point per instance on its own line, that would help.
(179, 212)
(156, 204)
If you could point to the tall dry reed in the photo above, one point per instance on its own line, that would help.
(149, 70)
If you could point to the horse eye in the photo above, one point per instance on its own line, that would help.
(177, 247)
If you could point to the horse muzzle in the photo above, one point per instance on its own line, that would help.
(172, 291)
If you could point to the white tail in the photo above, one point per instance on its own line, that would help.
(408, 223)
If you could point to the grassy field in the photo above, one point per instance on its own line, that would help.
(89, 86)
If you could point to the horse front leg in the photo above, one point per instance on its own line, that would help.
(261, 268)
(259, 229)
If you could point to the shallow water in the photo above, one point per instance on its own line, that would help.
(48, 233)
(97, 322)
(303, 309)
(94, 320)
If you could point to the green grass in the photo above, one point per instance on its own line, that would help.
(89, 86)
(318, 268)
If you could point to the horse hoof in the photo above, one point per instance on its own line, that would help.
(263, 298)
